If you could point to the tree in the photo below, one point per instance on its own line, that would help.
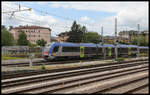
(141, 40)
(22, 40)
(6, 37)
(41, 42)
(76, 33)
(3, 27)
(123, 43)
(91, 37)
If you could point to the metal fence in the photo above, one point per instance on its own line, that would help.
(24, 50)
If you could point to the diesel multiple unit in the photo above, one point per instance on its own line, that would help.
(57, 50)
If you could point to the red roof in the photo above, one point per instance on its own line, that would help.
(30, 27)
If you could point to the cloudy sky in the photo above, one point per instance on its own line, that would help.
(59, 16)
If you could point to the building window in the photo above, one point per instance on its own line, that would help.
(39, 31)
(39, 35)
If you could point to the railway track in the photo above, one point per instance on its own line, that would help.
(27, 73)
(71, 81)
(49, 62)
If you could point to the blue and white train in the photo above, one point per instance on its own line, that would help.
(58, 50)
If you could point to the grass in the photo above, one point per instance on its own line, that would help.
(143, 54)
(120, 59)
(11, 58)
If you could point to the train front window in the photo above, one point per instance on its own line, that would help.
(46, 49)
(56, 49)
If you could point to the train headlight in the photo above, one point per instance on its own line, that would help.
(54, 54)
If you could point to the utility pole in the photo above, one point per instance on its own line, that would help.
(138, 40)
(19, 10)
(103, 49)
(116, 50)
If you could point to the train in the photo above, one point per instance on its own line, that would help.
(66, 50)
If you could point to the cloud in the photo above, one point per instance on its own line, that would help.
(128, 14)
(24, 17)
(97, 6)
(85, 18)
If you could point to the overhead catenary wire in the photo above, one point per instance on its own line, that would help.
(95, 27)
(62, 17)
(66, 18)
(38, 23)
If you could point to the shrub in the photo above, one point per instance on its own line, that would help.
(143, 54)
(120, 59)
(43, 67)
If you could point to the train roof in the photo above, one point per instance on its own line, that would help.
(75, 44)
(143, 47)
(126, 46)
(94, 45)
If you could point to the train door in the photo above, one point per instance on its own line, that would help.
(109, 51)
(81, 51)
(129, 51)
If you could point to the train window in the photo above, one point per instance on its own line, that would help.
(89, 50)
(75, 49)
(66, 49)
(71, 49)
(56, 49)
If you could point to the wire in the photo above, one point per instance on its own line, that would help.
(66, 18)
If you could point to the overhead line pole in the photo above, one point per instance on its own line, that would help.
(18, 10)
(103, 49)
(116, 50)
(138, 40)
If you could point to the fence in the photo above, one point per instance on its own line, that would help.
(21, 51)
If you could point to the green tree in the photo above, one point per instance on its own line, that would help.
(6, 37)
(91, 37)
(22, 40)
(76, 33)
(3, 27)
(141, 40)
(41, 42)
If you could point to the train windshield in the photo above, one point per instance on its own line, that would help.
(46, 49)
(48, 45)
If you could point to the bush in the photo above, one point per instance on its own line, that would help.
(37, 55)
(143, 54)
(43, 67)
(120, 59)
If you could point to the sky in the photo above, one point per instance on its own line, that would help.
(59, 16)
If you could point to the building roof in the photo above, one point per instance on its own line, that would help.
(63, 34)
(31, 27)
(54, 38)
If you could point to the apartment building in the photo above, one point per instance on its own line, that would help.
(62, 37)
(133, 34)
(33, 33)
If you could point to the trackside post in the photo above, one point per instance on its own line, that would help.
(31, 56)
